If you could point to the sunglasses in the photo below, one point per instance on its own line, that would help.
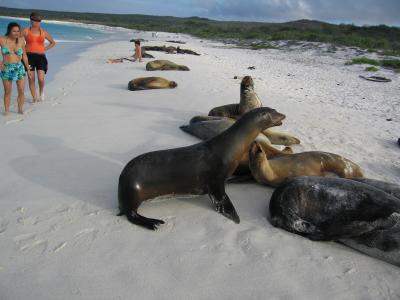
(36, 20)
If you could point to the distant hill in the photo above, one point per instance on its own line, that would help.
(369, 37)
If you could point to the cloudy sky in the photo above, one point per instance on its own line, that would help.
(359, 12)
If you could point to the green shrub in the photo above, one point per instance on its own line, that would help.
(371, 69)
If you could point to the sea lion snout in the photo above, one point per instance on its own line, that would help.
(247, 81)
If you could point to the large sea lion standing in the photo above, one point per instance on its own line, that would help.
(198, 169)
(353, 213)
(249, 100)
(274, 171)
(147, 83)
(164, 65)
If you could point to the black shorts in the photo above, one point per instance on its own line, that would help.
(37, 61)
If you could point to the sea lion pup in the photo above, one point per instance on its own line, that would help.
(273, 171)
(248, 101)
(336, 209)
(164, 65)
(198, 169)
(211, 127)
(147, 83)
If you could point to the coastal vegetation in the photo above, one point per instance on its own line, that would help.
(385, 63)
(371, 69)
(373, 38)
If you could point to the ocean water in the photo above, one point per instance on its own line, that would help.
(63, 32)
(72, 39)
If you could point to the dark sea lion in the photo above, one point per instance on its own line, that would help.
(164, 65)
(336, 209)
(248, 101)
(212, 127)
(198, 169)
(147, 83)
(390, 188)
(275, 170)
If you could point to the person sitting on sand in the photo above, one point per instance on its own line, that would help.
(35, 37)
(12, 67)
(138, 51)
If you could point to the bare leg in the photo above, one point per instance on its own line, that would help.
(40, 74)
(32, 87)
(21, 95)
(7, 95)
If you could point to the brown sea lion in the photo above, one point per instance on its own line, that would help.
(148, 83)
(248, 101)
(164, 65)
(276, 170)
(198, 169)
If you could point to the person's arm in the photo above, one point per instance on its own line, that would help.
(140, 53)
(24, 33)
(52, 42)
(2, 67)
(25, 60)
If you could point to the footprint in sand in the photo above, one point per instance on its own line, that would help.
(27, 242)
(12, 121)
(28, 221)
(59, 247)
(41, 245)
(87, 235)
(3, 226)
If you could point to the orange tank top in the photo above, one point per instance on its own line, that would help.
(35, 43)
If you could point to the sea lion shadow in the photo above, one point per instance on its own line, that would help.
(389, 143)
(118, 86)
(80, 175)
(178, 114)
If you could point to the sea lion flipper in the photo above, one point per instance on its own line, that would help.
(223, 205)
(137, 219)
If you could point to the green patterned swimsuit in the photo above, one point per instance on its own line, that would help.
(13, 71)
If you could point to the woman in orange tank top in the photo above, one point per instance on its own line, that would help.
(35, 38)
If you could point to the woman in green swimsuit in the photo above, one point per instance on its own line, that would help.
(12, 67)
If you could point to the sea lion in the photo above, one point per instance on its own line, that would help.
(273, 171)
(146, 83)
(164, 65)
(336, 209)
(198, 169)
(388, 187)
(210, 128)
(248, 101)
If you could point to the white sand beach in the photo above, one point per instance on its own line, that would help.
(60, 237)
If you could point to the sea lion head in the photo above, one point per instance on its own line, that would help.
(265, 117)
(257, 159)
(247, 81)
(172, 84)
